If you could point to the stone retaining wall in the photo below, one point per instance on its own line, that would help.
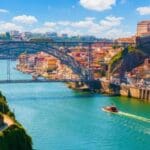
(125, 90)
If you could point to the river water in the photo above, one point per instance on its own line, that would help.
(59, 118)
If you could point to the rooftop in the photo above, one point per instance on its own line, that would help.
(144, 22)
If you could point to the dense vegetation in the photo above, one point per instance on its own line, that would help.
(118, 56)
(13, 137)
(4, 106)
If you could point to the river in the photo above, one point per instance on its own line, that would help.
(59, 118)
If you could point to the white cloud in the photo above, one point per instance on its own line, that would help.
(3, 11)
(24, 19)
(117, 33)
(86, 23)
(42, 30)
(8, 26)
(47, 27)
(64, 23)
(109, 27)
(49, 24)
(98, 5)
(144, 10)
(110, 21)
(90, 18)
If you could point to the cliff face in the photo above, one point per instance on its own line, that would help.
(126, 60)
(143, 43)
(13, 136)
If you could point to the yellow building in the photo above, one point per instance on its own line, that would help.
(50, 63)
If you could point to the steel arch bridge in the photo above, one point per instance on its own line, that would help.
(12, 49)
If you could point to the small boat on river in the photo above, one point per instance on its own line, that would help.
(112, 109)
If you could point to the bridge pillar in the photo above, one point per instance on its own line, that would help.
(8, 65)
(90, 60)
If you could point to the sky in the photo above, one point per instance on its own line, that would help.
(100, 18)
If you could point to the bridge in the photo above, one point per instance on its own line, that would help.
(12, 49)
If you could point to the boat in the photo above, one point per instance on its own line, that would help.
(112, 109)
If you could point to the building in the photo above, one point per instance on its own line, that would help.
(143, 28)
(51, 34)
(126, 40)
(16, 35)
(64, 35)
(26, 35)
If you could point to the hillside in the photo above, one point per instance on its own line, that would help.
(128, 59)
(12, 136)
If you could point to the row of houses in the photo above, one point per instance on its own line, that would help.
(43, 64)
(142, 71)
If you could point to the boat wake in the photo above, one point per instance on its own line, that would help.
(134, 116)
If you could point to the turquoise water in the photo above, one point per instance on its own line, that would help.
(59, 118)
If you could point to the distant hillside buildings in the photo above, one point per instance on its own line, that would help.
(27, 36)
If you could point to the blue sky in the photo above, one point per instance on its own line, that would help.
(102, 18)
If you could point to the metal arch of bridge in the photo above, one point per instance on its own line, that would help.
(85, 74)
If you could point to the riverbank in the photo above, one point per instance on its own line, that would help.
(12, 134)
(105, 87)
(125, 90)
(99, 86)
